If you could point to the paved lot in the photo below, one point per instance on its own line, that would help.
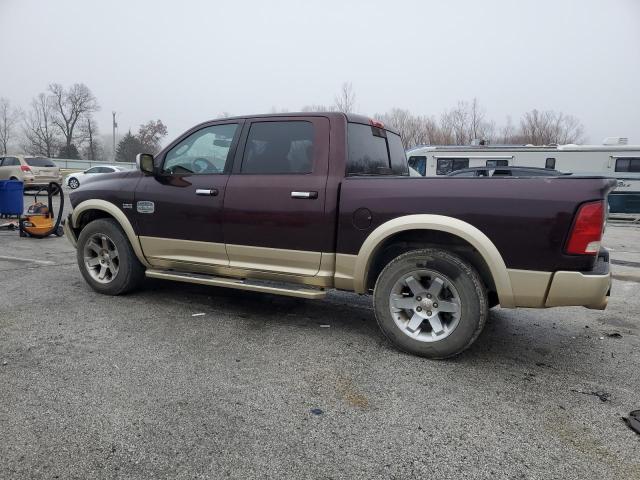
(141, 386)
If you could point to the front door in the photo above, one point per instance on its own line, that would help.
(274, 208)
(178, 213)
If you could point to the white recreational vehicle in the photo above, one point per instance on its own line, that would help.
(614, 158)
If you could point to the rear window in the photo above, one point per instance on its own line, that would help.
(628, 165)
(39, 162)
(447, 165)
(375, 151)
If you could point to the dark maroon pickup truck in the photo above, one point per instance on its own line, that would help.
(296, 204)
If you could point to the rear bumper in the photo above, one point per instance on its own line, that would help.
(587, 289)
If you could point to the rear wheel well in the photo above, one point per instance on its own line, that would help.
(402, 242)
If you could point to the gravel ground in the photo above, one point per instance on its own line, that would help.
(183, 381)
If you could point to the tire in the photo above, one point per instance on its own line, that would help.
(105, 235)
(422, 326)
(73, 183)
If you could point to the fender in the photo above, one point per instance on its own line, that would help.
(118, 215)
(451, 225)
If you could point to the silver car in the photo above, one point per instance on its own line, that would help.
(34, 172)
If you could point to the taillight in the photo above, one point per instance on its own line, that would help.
(586, 232)
(24, 168)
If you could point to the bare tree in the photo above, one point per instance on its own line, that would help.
(89, 137)
(346, 99)
(150, 135)
(71, 107)
(40, 133)
(548, 127)
(9, 118)
(317, 108)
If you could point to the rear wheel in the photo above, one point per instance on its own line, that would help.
(73, 183)
(431, 303)
(107, 260)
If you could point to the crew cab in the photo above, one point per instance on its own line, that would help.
(297, 204)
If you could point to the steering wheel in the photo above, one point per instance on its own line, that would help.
(202, 165)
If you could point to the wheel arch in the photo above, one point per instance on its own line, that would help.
(93, 209)
(433, 230)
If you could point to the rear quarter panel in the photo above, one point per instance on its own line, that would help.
(527, 219)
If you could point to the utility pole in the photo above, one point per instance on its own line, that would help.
(115, 125)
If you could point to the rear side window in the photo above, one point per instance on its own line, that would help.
(374, 151)
(497, 163)
(631, 165)
(39, 162)
(279, 148)
(445, 166)
(419, 164)
(550, 163)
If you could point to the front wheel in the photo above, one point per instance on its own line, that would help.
(73, 183)
(106, 259)
(431, 303)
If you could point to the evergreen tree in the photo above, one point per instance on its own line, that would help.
(128, 148)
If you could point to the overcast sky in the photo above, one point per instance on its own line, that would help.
(187, 61)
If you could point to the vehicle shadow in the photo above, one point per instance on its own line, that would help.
(525, 337)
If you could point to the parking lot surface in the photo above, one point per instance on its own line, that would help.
(184, 381)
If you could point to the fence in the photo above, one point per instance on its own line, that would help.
(70, 164)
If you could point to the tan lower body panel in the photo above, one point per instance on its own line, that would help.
(345, 271)
(280, 265)
(529, 287)
(296, 262)
(575, 288)
(170, 249)
(560, 289)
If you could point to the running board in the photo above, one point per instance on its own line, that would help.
(237, 284)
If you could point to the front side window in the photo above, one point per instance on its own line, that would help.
(445, 166)
(204, 152)
(375, 151)
(93, 170)
(279, 148)
(631, 165)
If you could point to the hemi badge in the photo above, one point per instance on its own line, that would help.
(127, 205)
(145, 206)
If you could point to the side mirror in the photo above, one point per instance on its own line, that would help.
(144, 162)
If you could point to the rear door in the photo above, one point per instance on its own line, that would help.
(274, 208)
(178, 213)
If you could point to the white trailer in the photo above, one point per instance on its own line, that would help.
(612, 159)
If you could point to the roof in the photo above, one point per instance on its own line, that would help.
(524, 148)
(351, 117)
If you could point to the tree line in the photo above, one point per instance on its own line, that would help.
(60, 123)
(465, 122)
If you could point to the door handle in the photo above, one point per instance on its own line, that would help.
(305, 195)
(207, 192)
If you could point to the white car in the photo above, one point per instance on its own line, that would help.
(75, 179)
